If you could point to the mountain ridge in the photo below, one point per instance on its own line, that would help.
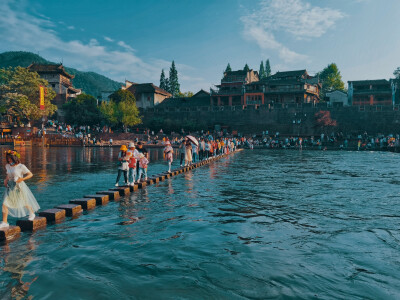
(91, 83)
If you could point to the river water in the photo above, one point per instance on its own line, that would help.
(258, 224)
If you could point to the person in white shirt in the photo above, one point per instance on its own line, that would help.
(18, 200)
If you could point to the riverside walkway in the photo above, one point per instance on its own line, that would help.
(75, 207)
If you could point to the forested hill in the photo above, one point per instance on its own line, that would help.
(90, 82)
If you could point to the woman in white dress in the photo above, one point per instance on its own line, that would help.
(18, 200)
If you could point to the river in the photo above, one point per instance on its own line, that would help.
(258, 224)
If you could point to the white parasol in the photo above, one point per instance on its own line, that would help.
(192, 139)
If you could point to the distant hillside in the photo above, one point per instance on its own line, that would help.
(90, 82)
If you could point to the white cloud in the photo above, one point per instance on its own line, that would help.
(108, 39)
(71, 27)
(20, 31)
(125, 46)
(294, 17)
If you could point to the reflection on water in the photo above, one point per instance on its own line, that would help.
(259, 224)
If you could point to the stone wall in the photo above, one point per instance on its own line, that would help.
(288, 120)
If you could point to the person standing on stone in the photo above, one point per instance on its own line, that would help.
(169, 154)
(143, 163)
(18, 200)
(123, 162)
(141, 150)
(182, 152)
(188, 153)
(133, 157)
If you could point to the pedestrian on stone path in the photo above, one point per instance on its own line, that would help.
(169, 155)
(18, 200)
(123, 164)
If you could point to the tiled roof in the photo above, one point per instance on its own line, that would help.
(49, 68)
(296, 73)
(147, 88)
(363, 82)
(201, 93)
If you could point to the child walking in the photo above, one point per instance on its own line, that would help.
(18, 200)
(169, 157)
(143, 162)
(133, 154)
(123, 167)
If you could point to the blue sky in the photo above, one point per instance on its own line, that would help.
(134, 40)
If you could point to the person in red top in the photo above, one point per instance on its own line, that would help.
(133, 155)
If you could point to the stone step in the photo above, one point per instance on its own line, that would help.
(113, 195)
(37, 223)
(100, 198)
(53, 215)
(86, 203)
(9, 234)
(71, 210)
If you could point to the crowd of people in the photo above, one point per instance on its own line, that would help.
(134, 161)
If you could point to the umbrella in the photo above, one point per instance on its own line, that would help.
(192, 139)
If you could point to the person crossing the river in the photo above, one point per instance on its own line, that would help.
(123, 164)
(133, 157)
(141, 150)
(18, 200)
(169, 154)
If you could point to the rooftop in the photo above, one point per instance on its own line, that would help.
(147, 88)
(49, 68)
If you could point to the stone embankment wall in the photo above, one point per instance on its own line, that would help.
(288, 120)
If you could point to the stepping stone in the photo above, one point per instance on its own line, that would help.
(37, 223)
(113, 195)
(155, 179)
(100, 198)
(86, 204)
(53, 214)
(123, 191)
(162, 177)
(149, 181)
(141, 184)
(9, 234)
(71, 210)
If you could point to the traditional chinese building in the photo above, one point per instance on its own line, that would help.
(147, 95)
(200, 99)
(59, 80)
(372, 92)
(231, 90)
(283, 88)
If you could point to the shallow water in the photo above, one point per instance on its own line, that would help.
(258, 224)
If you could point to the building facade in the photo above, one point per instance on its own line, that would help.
(59, 80)
(147, 95)
(372, 92)
(280, 88)
(231, 90)
(337, 98)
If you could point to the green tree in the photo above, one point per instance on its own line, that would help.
(268, 71)
(121, 110)
(246, 68)
(19, 94)
(163, 83)
(174, 85)
(261, 74)
(185, 95)
(396, 73)
(82, 110)
(330, 79)
(228, 68)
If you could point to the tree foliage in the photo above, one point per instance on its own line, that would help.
(246, 68)
(323, 119)
(331, 79)
(396, 73)
(82, 110)
(268, 71)
(19, 94)
(121, 110)
(163, 82)
(261, 73)
(174, 86)
(185, 94)
(228, 68)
